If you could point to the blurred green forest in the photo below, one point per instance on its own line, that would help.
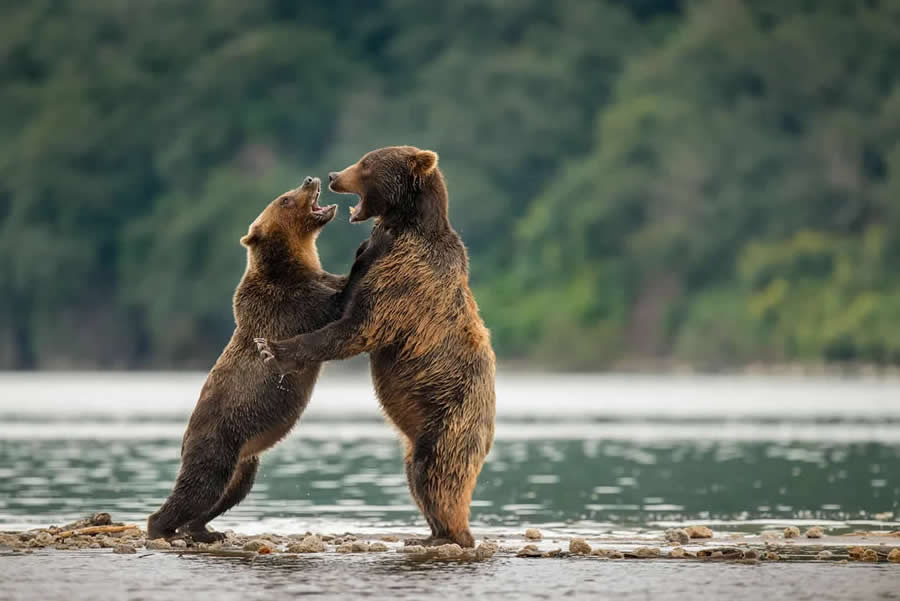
(712, 182)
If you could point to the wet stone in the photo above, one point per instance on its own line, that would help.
(676, 553)
(255, 544)
(646, 552)
(533, 534)
(894, 555)
(359, 547)
(529, 551)
(448, 551)
(310, 544)
(699, 532)
(824, 554)
(157, 543)
(178, 544)
(485, 550)
(124, 549)
(677, 535)
(412, 549)
(791, 532)
(345, 548)
(870, 555)
(376, 548)
(815, 532)
(579, 546)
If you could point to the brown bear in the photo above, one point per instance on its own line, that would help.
(409, 306)
(245, 408)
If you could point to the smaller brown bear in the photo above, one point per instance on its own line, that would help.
(244, 408)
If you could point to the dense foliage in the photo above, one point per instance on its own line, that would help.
(715, 181)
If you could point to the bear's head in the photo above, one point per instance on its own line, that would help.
(394, 181)
(286, 230)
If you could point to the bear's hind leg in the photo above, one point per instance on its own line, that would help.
(238, 488)
(206, 469)
(444, 482)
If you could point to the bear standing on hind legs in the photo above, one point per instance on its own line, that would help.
(413, 312)
(244, 408)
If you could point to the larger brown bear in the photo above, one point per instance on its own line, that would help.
(244, 408)
(412, 310)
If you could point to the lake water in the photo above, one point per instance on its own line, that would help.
(574, 455)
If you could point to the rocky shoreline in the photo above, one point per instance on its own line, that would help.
(699, 543)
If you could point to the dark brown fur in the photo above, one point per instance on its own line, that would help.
(244, 408)
(412, 310)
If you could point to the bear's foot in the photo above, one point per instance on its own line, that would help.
(202, 535)
(431, 541)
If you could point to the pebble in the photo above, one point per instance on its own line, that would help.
(255, 545)
(770, 534)
(870, 555)
(376, 548)
(676, 553)
(156, 543)
(646, 552)
(894, 555)
(346, 548)
(579, 546)
(359, 547)
(44, 538)
(699, 532)
(791, 532)
(123, 548)
(815, 532)
(412, 549)
(533, 534)
(855, 552)
(771, 555)
(824, 554)
(529, 551)
(179, 544)
(390, 538)
(677, 535)
(615, 555)
(448, 551)
(751, 554)
(310, 544)
(485, 550)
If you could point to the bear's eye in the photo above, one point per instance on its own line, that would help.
(285, 201)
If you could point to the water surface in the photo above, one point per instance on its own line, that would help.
(575, 455)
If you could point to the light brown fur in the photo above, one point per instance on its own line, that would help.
(413, 311)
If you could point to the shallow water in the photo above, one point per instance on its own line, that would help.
(583, 455)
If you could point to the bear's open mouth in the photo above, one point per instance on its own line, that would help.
(356, 211)
(326, 213)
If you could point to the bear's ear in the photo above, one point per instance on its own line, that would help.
(252, 237)
(423, 162)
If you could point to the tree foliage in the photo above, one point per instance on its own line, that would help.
(715, 181)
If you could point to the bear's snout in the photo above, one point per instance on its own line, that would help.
(332, 176)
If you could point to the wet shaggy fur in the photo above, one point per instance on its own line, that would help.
(410, 307)
(245, 408)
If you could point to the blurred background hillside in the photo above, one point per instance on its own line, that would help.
(706, 182)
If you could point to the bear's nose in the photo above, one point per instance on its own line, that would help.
(307, 181)
(332, 176)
